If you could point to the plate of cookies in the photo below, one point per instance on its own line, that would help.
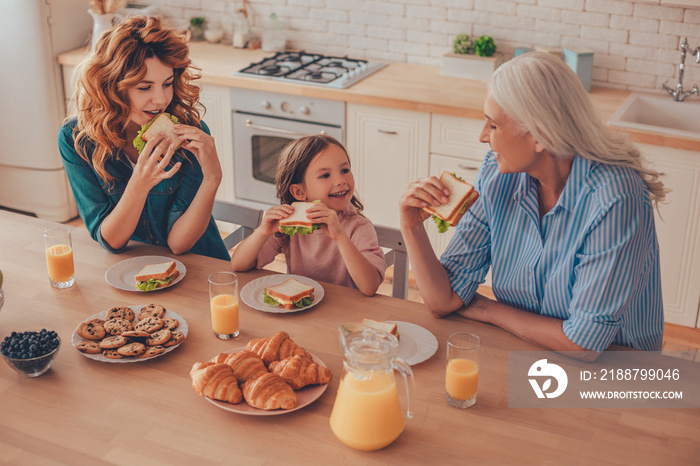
(132, 333)
(268, 377)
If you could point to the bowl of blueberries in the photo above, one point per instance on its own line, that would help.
(30, 353)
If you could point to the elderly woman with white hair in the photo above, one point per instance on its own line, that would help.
(564, 221)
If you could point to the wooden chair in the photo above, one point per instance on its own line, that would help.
(247, 218)
(391, 238)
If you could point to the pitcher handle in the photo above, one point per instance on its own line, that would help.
(407, 373)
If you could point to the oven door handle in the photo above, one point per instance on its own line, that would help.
(249, 124)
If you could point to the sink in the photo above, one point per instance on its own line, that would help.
(660, 114)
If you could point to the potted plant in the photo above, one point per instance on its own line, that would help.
(473, 59)
(197, 27)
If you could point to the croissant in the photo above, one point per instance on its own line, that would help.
(269, 392)
(299, 372)
(275, 348)
(246, 365)
(216, 381)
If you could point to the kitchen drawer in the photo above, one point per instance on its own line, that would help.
(456, 136)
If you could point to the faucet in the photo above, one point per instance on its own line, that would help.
(678, 93)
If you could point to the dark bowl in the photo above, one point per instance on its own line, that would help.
(33, 367)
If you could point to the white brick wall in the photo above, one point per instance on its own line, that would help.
(635, 43)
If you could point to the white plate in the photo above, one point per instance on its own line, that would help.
(75, 339)
(121, 274)
(416, 344)
(305, 397)
(252, 293)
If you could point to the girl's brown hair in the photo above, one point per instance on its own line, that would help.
(295, 159)
(117, 64)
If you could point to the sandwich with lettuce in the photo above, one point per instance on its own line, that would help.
(462, 197)
(298, 223)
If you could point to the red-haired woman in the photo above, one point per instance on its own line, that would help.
(163, 196)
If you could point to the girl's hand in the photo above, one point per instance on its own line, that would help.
(149, 171)
(271, 219)
(328, 218)
(203, 147)
(421, 193)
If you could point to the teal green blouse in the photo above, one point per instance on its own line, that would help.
(166, 201)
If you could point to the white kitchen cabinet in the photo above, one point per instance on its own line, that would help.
(218, 117)
(678, 231)
(388, 149)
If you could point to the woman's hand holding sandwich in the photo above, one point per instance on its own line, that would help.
(421, 193)
(431, 277)
(119, 225)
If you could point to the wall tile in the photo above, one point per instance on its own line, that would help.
(635, 42)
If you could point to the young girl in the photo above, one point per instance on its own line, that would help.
(139, 69)
(344, 250)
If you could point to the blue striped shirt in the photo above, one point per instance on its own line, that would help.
(592, 261)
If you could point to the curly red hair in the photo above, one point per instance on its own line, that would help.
(118, 64)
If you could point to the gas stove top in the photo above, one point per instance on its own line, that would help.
(309, 68)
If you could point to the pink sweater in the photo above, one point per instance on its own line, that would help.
(317, 256)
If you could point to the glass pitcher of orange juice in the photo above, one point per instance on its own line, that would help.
(367, 414)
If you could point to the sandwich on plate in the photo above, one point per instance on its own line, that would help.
(462, 196)
(290, 294)
(162, 123)
(389, 327)
(297, 222)
(156, 276)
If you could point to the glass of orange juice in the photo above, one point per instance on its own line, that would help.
(462, 375)
(223, 298)
(59, 257)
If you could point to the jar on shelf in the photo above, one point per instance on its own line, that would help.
(241, 30)
(213, 31)
(274, 38)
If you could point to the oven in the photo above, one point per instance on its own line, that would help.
(263, 123)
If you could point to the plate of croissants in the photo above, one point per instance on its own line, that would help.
(268, 376)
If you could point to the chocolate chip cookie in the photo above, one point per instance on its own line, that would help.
(152, 351)
(121, 312)
(132, 349)
(91, 331)
(159, 337)
(155, 310)
(111, 354)
(113, 342)
(176, 338)
(117, 326)
(149, 324)
(171, 323)
(89, 346)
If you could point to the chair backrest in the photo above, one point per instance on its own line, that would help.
(391, 238)
(247, 218)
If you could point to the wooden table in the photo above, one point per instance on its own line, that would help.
(88, 412)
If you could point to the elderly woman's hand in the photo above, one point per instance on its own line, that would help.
(421, 193)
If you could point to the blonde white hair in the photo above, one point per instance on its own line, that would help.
(544, 97)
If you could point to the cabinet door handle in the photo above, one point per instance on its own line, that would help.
(250, 124)
(467, 167)
(387, 131)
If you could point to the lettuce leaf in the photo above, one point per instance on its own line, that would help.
(442, 225)
(288, 230)
(140, 143)
(303, 302)
(152, 284)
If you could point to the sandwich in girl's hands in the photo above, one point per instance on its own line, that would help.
(298, 222)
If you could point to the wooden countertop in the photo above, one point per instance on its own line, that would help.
(399, 85)
(85, 411)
